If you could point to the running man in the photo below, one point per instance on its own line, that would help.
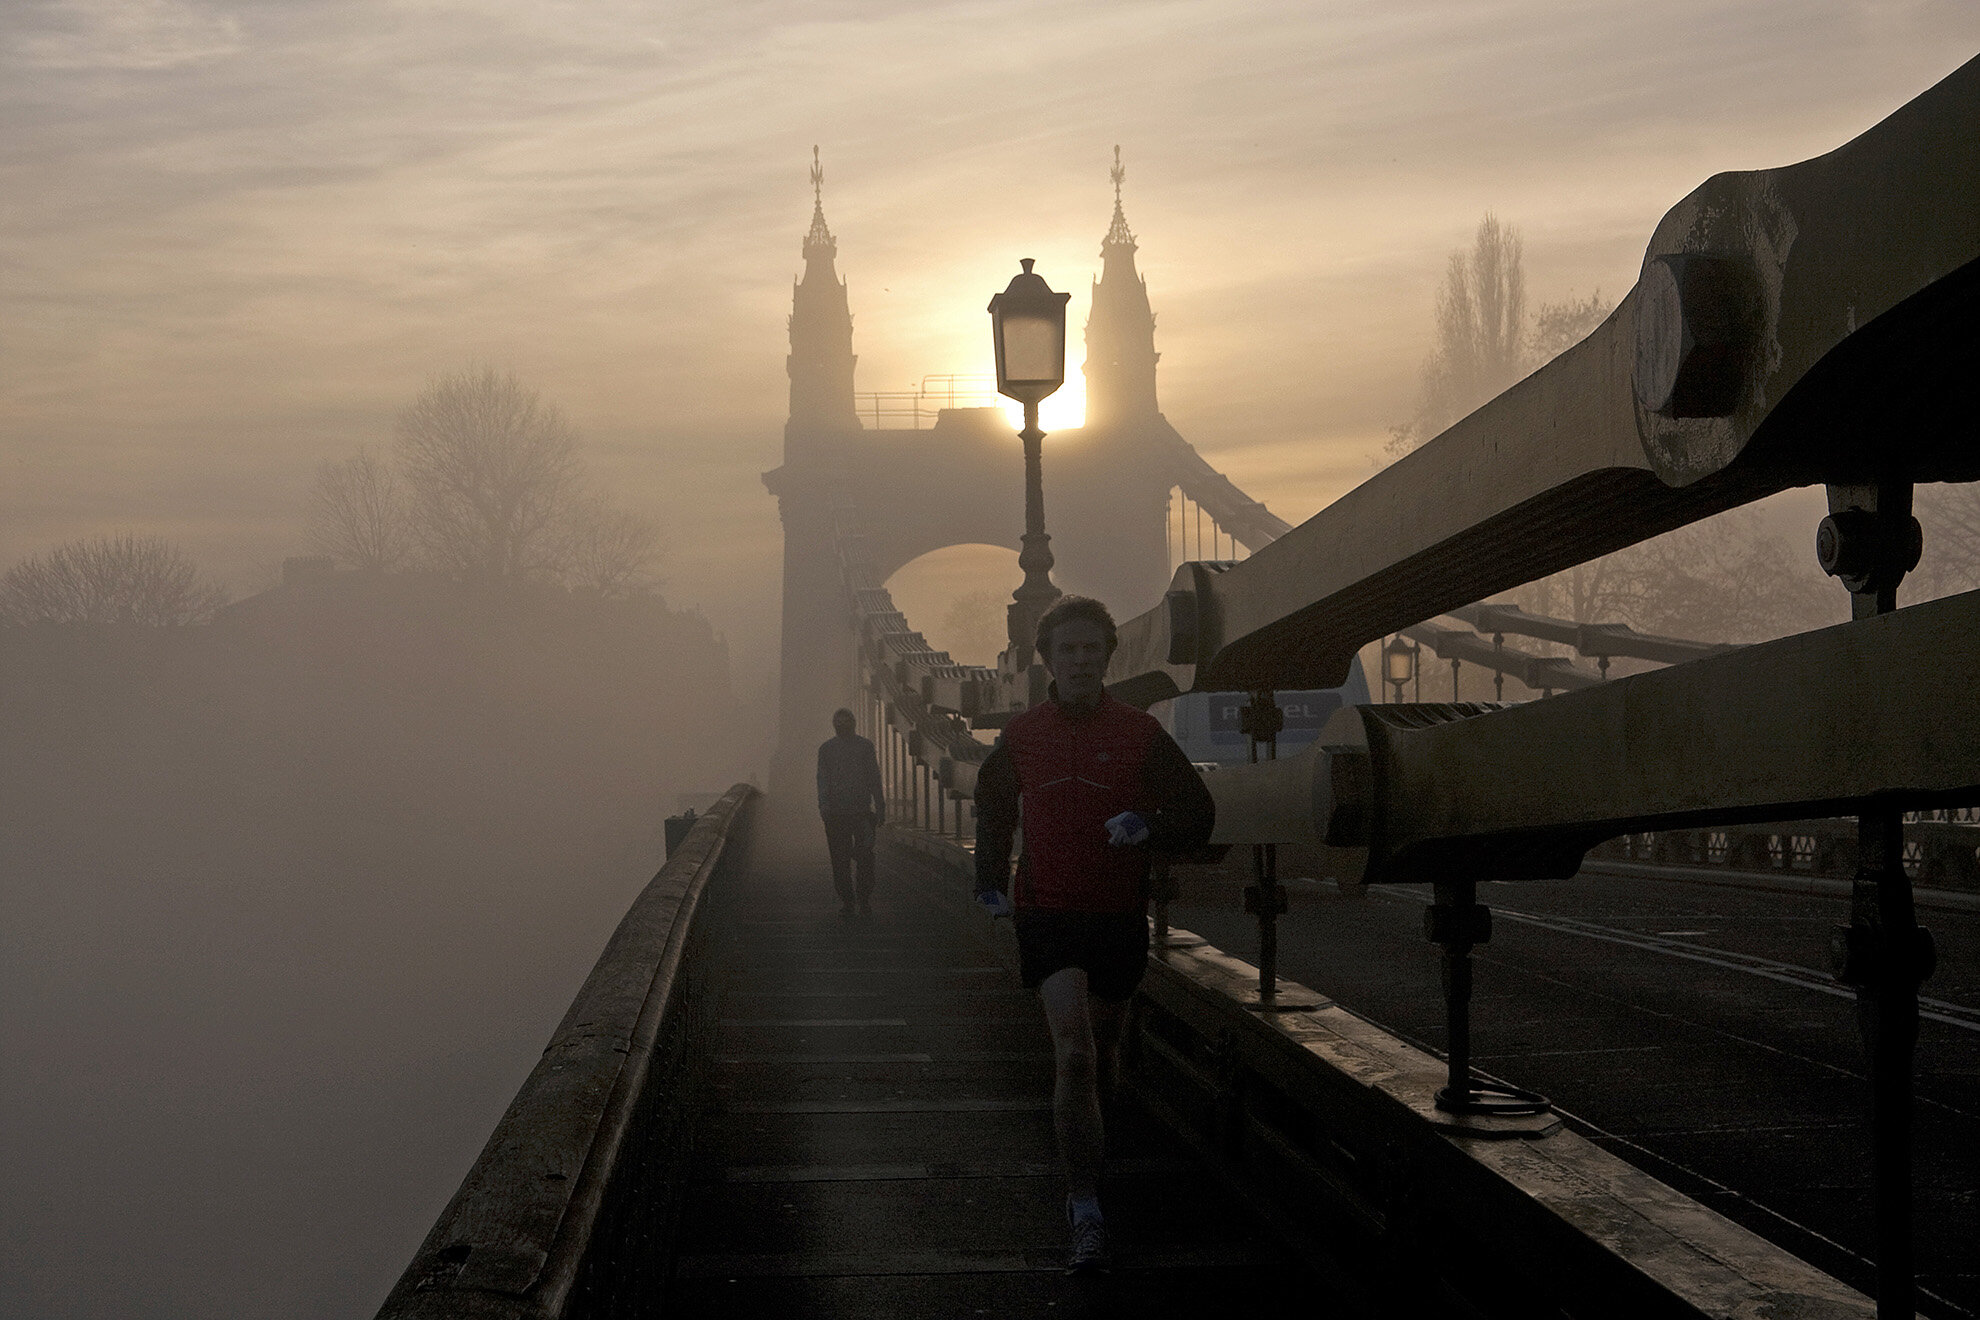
(1099, 785)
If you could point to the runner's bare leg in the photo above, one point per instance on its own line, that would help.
(1076, 1073)
(1109, 1018)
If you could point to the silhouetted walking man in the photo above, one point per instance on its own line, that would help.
(1100, 785)
(852, 802)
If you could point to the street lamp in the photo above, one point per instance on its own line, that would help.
(1028, 326)
(1399, 663)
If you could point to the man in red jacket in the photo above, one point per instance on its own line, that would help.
(1099, 785)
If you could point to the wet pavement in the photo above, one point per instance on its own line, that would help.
(880, 1141)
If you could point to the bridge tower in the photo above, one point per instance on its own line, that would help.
(914, 491)
(1110, 525)
(819, 673)
(1120, 332)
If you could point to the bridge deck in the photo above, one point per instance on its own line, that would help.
(880, 1141)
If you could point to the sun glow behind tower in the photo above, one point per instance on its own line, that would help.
(1063, 410)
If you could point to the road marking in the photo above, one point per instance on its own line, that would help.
(1806, 978)
(1555, 1054)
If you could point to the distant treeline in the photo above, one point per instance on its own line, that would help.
(376, 698)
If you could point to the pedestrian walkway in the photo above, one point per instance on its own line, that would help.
(879, 1143)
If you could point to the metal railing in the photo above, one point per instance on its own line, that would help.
(918, 409)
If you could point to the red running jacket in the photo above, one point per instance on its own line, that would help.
(1063, 776)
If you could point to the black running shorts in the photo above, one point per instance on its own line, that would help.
(1111, 947)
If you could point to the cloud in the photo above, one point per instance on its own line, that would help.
(123, 34)
(238, 236)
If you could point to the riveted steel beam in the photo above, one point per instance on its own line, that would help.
(1813, 323)
(1828, 722)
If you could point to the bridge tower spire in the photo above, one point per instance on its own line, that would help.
(1120, 330)
(821, 360)
(818, 655)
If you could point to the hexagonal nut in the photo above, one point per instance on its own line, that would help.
(1696, 322)
(1343, 781)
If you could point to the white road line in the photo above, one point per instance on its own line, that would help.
(1807, 978)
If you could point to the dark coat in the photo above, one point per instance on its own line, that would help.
(849, 777)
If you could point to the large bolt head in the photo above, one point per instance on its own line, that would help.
(1851, 544)
(1695, 327)
(1846, 543)
(1852, 955)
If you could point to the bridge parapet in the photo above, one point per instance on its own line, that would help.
(571, 1203)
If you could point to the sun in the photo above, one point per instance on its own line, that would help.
(1063, 411)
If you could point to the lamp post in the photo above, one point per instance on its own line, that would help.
(1028, 326)
(1398, 663)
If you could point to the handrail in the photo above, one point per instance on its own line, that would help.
(915, 404)
(517, 1240)
(1598, 640)
(1542, 673)
(1245, 519)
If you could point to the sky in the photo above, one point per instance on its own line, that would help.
(237, 238)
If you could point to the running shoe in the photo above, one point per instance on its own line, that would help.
(1089, 1246)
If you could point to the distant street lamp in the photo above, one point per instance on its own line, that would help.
(1399, 663)
(1028, 326)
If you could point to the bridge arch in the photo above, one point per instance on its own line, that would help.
(929, 589)
(883, 498)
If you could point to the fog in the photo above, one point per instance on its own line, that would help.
(293, 902)
(289, 904)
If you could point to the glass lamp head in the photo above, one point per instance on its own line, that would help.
(1398, 660)
(1028, 328)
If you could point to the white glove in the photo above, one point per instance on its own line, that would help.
(1127, 829)
(995, 903)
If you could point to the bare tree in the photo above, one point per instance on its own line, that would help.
(1720, 580)
(974, 628)
(492, 472)
(608, 550)
(357, 514)
(1481, 329)
(1950, 516)
(109, 579)
(1557, 327)
(1483, 341)
(1605, 590)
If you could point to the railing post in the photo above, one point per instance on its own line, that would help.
(1457, 922)
(1870, 541)
(1261, 720)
